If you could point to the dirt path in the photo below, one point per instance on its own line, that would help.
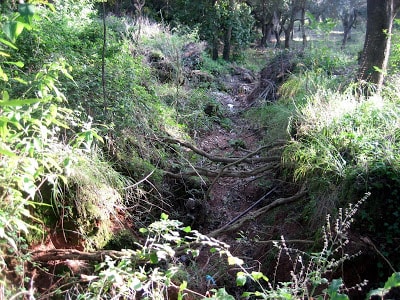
(229, 196)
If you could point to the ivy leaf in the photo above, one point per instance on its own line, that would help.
(187, 229)
(235, 261)
(182, 287)
(241, 279)
(258, 276)
(393, 281)
(136, 284)
(153, 258)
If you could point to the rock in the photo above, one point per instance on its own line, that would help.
(197, 76)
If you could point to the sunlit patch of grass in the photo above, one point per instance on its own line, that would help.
(334, 132)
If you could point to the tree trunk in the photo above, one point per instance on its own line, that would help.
(277, 28)
(290, 24)
(303, 28)
(264, 29)
(380, 15)
(227, 43)
(228, 34)
(348, 20)
(215, 48)
(287, 32)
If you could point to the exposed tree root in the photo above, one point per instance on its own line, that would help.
(268, 163)
(247, 159)
(232, 226)
(225, 173)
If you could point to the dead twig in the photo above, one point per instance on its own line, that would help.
(253, 215)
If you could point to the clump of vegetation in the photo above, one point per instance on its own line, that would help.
(311, 273)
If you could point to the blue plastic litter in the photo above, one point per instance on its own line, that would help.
(210, 280)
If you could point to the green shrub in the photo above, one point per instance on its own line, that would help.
(38, 143)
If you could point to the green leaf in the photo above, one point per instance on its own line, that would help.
(223, 295)
(19, 102)
(393, 281)
(258, 276)
(182, 287)
(6, 96)
(333, 290)
(13, 29)
(20, 80)
(335, 285)
(143, 230)
(213, 250)
(377, 292)
(235, 261)
(7, 152)
(164, 216)
(241, 279)
(7, 43)
(136, 284)
(153, 258)
(3, 75)
(187, 229)
(19, 64)
(27, 11)
(2, 53)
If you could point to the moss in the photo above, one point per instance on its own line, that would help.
(122, 240)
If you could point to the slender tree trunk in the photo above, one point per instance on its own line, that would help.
(348, 21)
(215, 48)
(103, 61)
(288, 31)
(227, 43)
(302, 26)
(270, 31)
(276, 28)
(290, 24)
(380, 15)
(228, 34)
(264, 31)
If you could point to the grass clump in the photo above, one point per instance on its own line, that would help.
(343, 146)
(335, 133)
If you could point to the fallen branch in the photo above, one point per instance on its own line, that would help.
(253, 215)
(224, 173)
(251, 207)
(286, 241)
(247, 159)
(65, 254)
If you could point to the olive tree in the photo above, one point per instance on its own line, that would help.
(374, 59)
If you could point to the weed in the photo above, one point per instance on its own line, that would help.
(311, 272)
